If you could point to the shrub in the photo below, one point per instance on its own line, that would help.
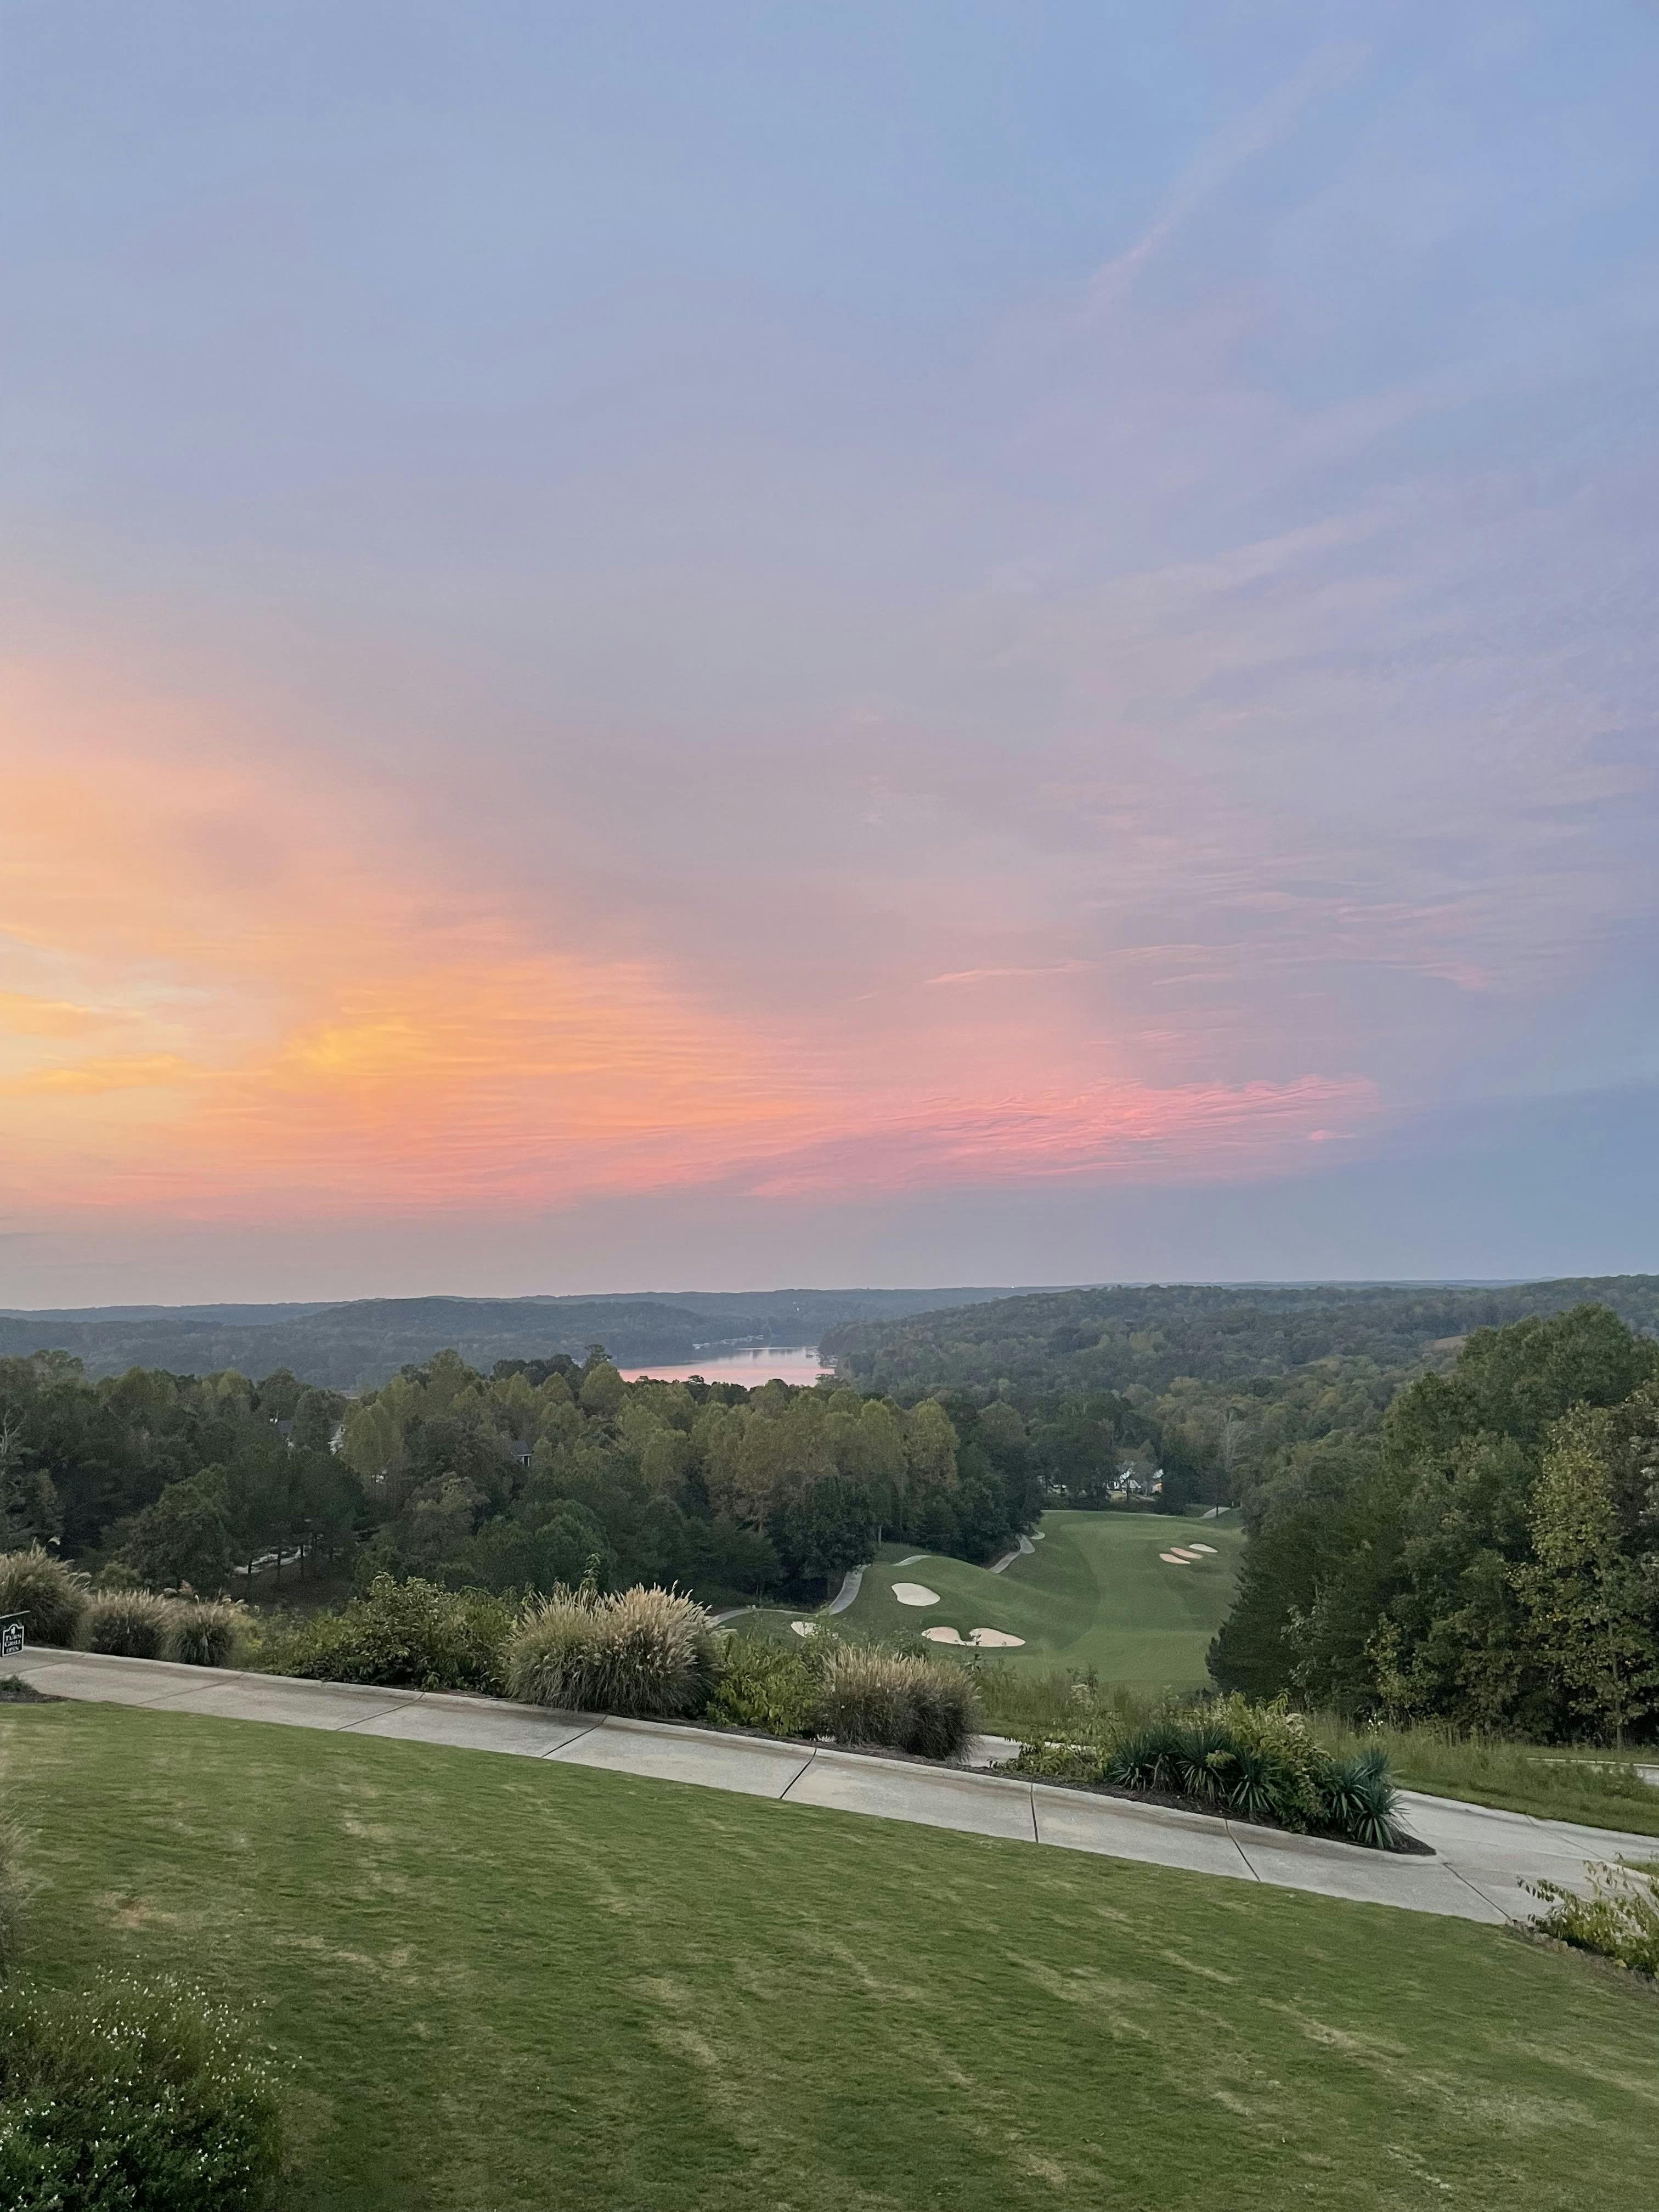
(205, 1631)
(868, 1696)
(764, 1685)
(132, 2098)
(1049, 1760)
(130, 1624)
(643, 1651)
(407, 1634)
(51, 1597)
(1618, 1921)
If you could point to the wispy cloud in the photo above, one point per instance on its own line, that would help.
(1328, 69)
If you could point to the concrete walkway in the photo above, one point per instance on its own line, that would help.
(1482, 1856)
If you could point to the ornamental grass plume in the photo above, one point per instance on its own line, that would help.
(943, 1712)
(893, 1699)
(127, 1624)
(204, 1632)
(51, 1597)
(659, 1651)
(643, 1651)
(864, 1695)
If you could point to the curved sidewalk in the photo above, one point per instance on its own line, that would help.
(1482, 1855)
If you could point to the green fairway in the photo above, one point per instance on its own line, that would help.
(500, 1985)
(1094, 1593)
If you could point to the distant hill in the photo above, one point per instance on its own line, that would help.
(1115, 1336)
(362, 1342)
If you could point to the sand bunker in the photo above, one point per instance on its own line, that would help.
(804, 1627)
(914, 1594)
(1189, 1551)
(984, 1638)
(1209, 1549)
(1178, 1558)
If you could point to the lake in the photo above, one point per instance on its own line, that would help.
(752, 1365)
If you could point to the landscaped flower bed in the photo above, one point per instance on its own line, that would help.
(1257, 1763)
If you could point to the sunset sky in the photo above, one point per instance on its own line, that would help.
(685, 644)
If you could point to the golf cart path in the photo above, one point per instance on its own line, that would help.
(1482, 1855)
(848, 1590)
(1022, 1550)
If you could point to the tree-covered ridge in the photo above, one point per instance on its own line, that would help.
(1151, 1336)
(515, 1479)
(1488, 1554)
(364, 1341)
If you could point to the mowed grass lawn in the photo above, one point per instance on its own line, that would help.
(1093, 1593)
(495, 1984)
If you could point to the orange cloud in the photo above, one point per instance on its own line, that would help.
(23, 1016)
(90, 1077)
(320, 1011)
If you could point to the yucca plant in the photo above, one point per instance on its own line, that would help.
(51, 1597)
(204, 1632)
(1361, 1800)
(1254, 1787)
(1150, 1757)
(127, 1624)
(1200, 1764)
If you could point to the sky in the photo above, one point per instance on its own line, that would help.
(699, 644)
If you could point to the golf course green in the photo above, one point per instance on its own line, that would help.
(1095, 1592)
(498, 1984)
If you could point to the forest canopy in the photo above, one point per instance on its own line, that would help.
(1488, 1556)
(535, 1474)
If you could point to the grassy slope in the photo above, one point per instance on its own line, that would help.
(498, 1984)
(1598, 1790)
(1093, 1594)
